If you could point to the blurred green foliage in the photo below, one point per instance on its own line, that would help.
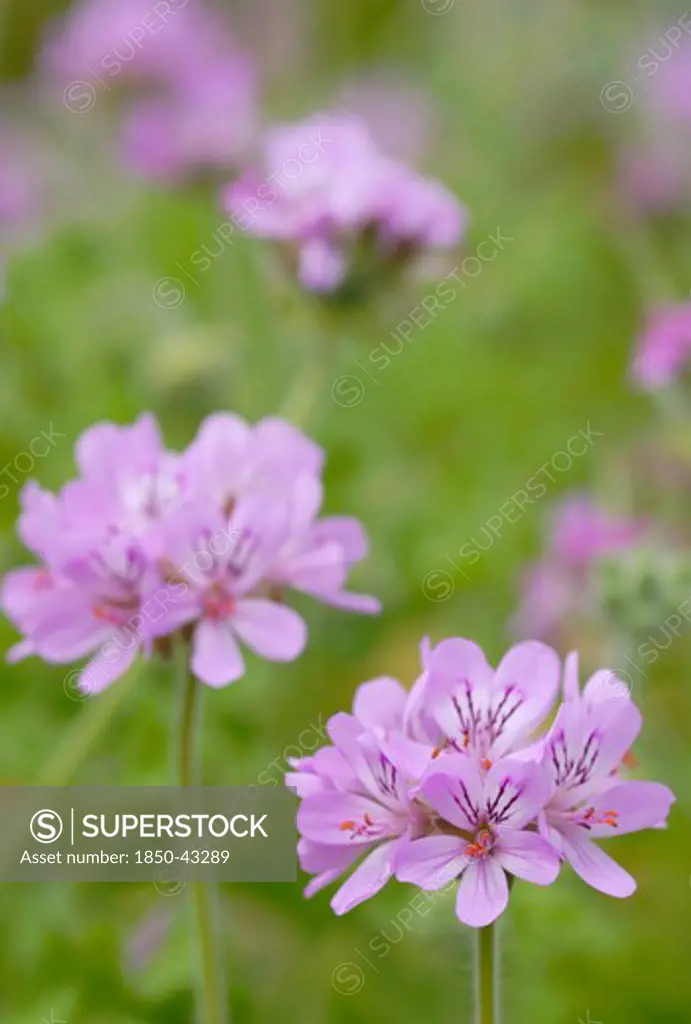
(533, 349)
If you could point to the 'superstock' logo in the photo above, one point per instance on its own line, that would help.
(46, 826)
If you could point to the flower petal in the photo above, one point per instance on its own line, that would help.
(216, 658)
(515, 792)
(368, 878)
(483, 893)
(431, 862)
(570, 685)
(325, 862)
(595, 867)
(458, 680)
(455, 789)
(636, 805)
(348, 601)
(528, 856)
(270, 629)
(346, 531)
(107, 665)
(345, 819)
(525, 685)
(380, 703)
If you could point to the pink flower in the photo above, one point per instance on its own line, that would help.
(146, 542)
(556, 588)
(491, 813)
(664, 347)
(339, 206)
(489, 713)
(204, 120)
(584, 753)
(419, 786)
(363, 808)
(195, 109)
(397, 111)
(126, 39)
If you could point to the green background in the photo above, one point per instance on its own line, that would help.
(533, 349)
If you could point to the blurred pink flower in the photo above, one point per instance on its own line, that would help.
(195, 104)
(341, 206)
(109, 39)
(397, 112)
(555, 587)
(204, 120)
(146, 542)
(669, 88)
(664, 347)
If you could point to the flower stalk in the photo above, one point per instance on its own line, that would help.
(487, 975)
(211, 991)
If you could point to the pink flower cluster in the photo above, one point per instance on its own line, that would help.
(147, 542)
(556, 589)
(449, 781)
(345, 212)
(198, 106)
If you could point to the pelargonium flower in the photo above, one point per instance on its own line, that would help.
(557, 588)
(484, 712)
(146, 543)
(485, 835)
(451, 781)
(585, 753)
(130, 39)
(664, 347)
(344, 212)
(396, 109)
(194, 108)
(205, 119)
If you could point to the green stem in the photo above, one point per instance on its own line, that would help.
(487, 975)
(211, 994)
(305, 392)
